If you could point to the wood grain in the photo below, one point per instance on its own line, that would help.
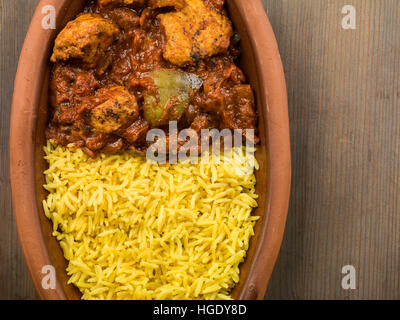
(344, 94)
(15, 17)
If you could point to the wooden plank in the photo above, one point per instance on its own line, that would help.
(343, 88)
(15, 17)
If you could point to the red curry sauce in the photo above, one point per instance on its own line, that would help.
(224, 100)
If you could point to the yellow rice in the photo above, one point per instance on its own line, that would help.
(131, 229)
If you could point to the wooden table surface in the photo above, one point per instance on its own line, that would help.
(344, 106)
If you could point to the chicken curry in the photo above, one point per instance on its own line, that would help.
(123, 67)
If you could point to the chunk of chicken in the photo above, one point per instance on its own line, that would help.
(194, 32)
(104, 3)
(84, 39)
(110, 109)
(177, 4)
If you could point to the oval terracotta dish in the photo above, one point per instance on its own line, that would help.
(262, 65)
